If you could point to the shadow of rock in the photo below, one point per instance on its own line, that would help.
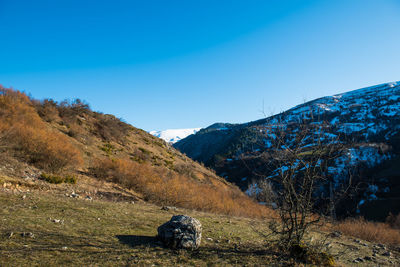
(139, 240)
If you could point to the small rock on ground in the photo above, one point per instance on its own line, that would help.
(167, 208)
(381, 246)
(28, 234)
(336, 234)
(368, 258)
(358, 260)
(57, 221)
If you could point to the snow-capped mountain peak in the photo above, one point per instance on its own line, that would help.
(174, 135)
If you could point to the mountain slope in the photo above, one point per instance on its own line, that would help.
(68, 142)
(174, 135)
(366, 121)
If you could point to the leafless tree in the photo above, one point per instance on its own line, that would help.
(300, 158)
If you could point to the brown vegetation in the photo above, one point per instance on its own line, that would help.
(370, 231)
(23, 131)
(53, 136)
(170, 188)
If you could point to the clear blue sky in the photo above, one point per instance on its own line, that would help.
(182, 64)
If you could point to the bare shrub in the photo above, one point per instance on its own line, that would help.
(69, 110)
(110, 128)
(184, 169)
(77, 132)
(47, 110)
(296, 166)
(44, 148)
(299, 176)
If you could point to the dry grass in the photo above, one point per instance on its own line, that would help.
(103, 233)
(163, 186)
(107, 233)
(370, 231)
(44, 148)
(23, 131)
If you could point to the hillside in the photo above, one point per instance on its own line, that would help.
(67, 142)
(365, 122)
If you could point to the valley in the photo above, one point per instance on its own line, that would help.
(82, 187)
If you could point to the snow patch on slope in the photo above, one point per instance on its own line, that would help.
(364, 111)
(174, 135)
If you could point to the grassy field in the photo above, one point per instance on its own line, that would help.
(80, 232)
(112, 233)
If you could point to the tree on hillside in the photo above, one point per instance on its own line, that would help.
(299, 161)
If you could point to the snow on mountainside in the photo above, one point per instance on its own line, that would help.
(366, 111)
(174, 135)
(366, 121)
(369, 116)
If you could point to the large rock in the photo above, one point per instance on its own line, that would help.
(181, 232)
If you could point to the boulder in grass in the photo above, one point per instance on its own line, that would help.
(181, 232)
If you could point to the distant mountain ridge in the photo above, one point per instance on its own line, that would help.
(174, 135)
(369, 117)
